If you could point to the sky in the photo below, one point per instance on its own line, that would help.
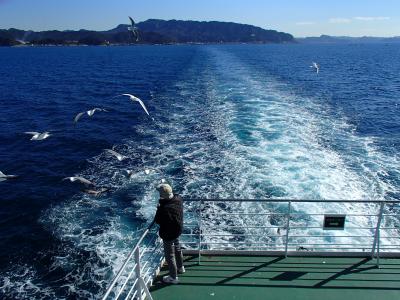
(298, 17)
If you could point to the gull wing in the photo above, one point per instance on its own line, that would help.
(133, 98)
(80, 179)
(32, 132)
(113, 152)
(129, 95)
(84, 180)
(144, 107)
(132, 22)
(92, 111)
(119, 156)
(78, 116)
(2, 174)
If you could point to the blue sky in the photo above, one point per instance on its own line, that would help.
(298, 17)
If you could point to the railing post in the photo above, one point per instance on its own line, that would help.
(138, 273)
(376, 243)
(287, 227)
(141, 285)
(199, 222)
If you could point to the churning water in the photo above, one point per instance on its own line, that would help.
(239, 121)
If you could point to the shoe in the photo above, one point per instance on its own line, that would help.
(181, 270)
(169, 279)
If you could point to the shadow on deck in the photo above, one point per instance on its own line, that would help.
(257, 277)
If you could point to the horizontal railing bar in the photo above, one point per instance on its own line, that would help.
(290, 200)
(321, 227)
(292, 214)
(291, 227)
(391, 228)
(246, 214)
(267, 245)
(333, 236)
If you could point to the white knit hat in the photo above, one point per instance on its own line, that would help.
(165, 191)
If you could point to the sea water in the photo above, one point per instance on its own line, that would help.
(226, 121)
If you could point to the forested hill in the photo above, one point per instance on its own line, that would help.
(213, 32)
(151, 32)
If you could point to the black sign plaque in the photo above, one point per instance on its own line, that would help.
(334, 222)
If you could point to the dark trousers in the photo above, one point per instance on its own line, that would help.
(173, 256)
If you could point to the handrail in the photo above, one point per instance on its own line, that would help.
(121, 270)
(290, 200)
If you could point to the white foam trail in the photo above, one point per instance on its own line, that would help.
(230, 132)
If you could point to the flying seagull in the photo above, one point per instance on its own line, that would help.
(89, 113)
(136, 99)
(133, 29)
(79, 179)
(315, 66)
(37, 136)
(129, 173)
(96, 193)
(5, 177)
(120, 157)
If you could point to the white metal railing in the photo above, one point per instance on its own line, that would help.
(269, 227)
(287, 227)
(138, 270)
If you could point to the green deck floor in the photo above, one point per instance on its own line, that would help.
(246, 277)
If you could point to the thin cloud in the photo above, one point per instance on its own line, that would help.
(305, 23)
(339, 20)
(371, 18)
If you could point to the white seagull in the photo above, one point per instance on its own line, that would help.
(120, 157)
(315, 66)
(5, 177)
(134, 29)
(136, 99)
(96, 193)
(89, 113)
(79, 179)
(129, 173)
(37, 136)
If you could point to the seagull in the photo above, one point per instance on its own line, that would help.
(37, 136)
(120, 157)
(129, 173)
(89, 113)
(80, 179)
(5, 177)
(134, 29)
(315, 66)
(133, 98)
(96, 193)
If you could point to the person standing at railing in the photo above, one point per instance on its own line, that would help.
(169, 216)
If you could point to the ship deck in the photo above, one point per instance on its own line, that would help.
(264, 277)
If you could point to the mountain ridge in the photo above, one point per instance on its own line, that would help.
(152, 31)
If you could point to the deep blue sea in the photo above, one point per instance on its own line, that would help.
(243, 121)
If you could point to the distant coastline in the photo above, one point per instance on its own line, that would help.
(151, 32)
(327, 39)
